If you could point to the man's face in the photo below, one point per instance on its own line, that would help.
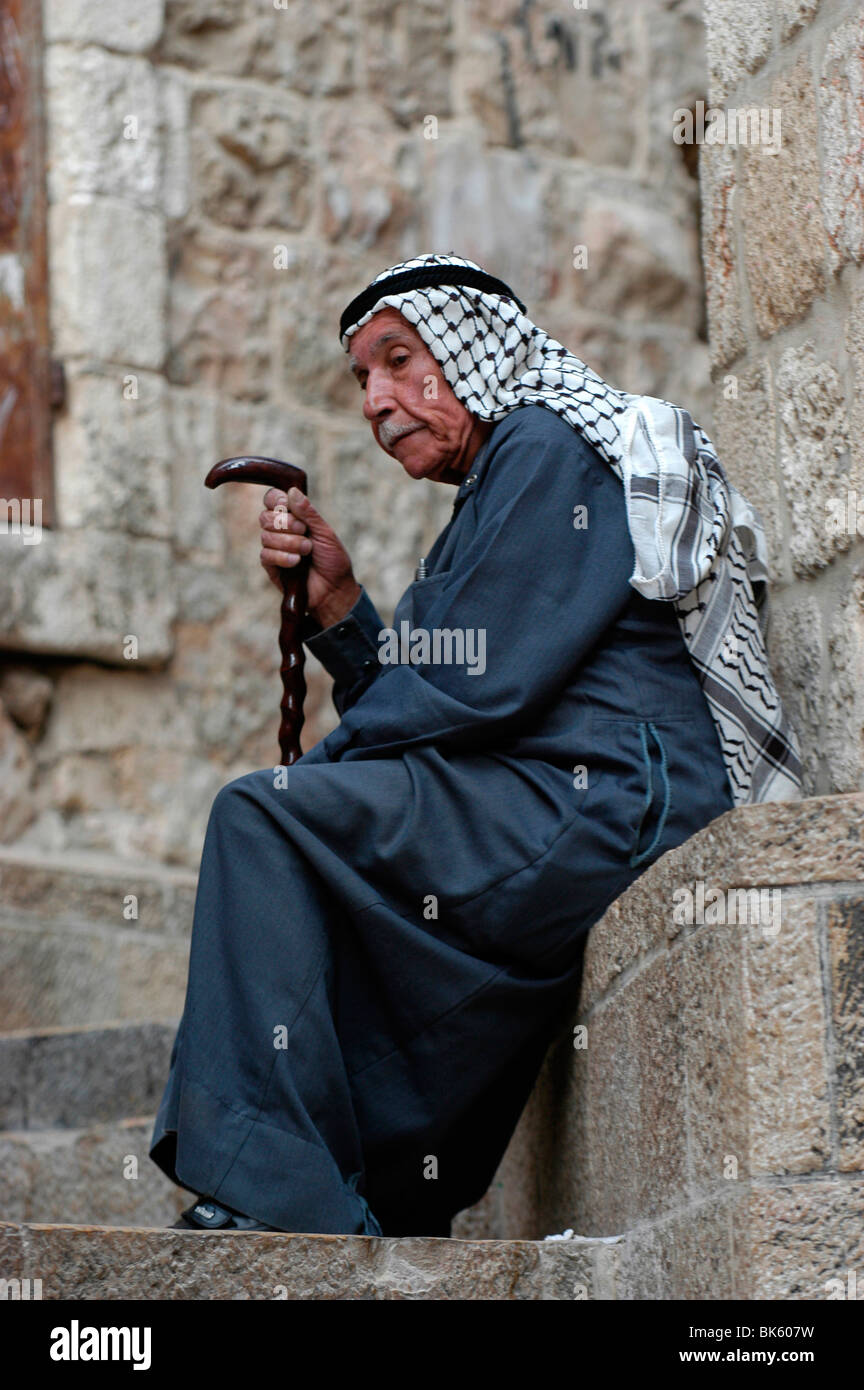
(414, 414)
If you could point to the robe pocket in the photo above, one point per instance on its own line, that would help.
(632, 785)
(423, 593)
(657, 795)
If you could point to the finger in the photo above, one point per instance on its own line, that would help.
(282, 559)
(279, 540)
(271, 571)
(280, 519)
(300, 505)
(274, 497)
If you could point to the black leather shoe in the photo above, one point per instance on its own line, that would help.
(207, 1215)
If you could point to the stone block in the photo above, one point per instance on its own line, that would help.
(673, 38)
(72, 1078)
(50, 980)
(249, 158)
(221, 37)
(310, 50)
(131, 26)
(845, 931)
(104, 131)
(795, 15)
(744, 436)
(688, 1256)
(194, 432)
(713, 1027)
(103, 1174)
(108, 277)
(738, 38)
(643, 261)
(608, 348)
(615, 253)
(137, 803)
(407, 57)
(174, 90)
(855, 350)
(556, 79)
(802, 1235)
(795, 651)
(786, 1044)
(113, 454)
(719, 184)
(17, 766)
(799, 842)
(14, 1053)
(368, 181)
(26, 695)
(65, 978)
(814, 436)
(842, 735)
(486, 204)
(87, 890)
(93, 1262)
(633, 1087)
(203, 592)
(841, 105)
(81, 593)
(138, 707)
(219, 314)
(718, 1101)
(637, 924)
(781, 222)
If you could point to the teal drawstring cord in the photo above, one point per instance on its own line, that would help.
(636, 858)
(370, 1221)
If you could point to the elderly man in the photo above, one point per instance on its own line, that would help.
(388, 934)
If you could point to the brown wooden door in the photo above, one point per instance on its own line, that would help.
(25, 358)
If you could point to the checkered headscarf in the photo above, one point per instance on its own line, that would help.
(698, 543)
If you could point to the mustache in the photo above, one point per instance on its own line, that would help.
(389, 432)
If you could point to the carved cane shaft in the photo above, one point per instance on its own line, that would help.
(250, 468)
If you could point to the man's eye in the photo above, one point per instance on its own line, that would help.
(399, 360)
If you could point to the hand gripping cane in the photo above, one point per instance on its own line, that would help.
(250, 468)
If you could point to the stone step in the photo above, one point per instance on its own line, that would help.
(61, 1078)
(100, 1174)
(103, 1262)
(91, 939)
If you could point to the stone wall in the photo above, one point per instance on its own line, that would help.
(783, 249)
(706, 1103)
(223, 175)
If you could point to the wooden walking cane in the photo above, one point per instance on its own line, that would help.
(250, 468)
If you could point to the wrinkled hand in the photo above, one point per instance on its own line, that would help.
(292, 528)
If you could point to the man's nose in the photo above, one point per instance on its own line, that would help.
(378, 401)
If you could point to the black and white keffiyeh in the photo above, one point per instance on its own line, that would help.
(698, 543)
